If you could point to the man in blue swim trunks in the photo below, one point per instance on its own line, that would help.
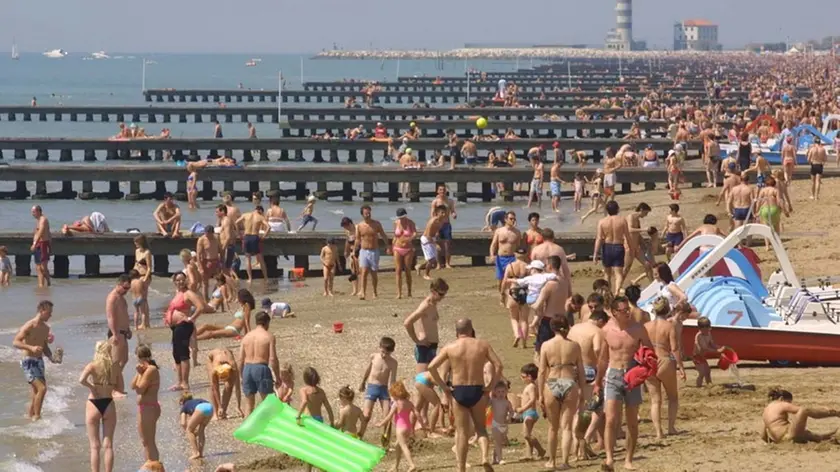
(740, 201)
(368, 232)
(467, 357)
(32, 339)
(258, 362)
(494, 218)
(610, 239)
(506, 240)
(422, 325)
(445, 233)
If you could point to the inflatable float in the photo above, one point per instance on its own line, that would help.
(273, 424)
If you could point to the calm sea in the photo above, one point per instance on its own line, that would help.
(79, 318)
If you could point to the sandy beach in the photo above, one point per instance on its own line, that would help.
(719, 423)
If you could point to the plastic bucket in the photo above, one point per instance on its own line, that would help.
(296, 274)
(338, 327)
(727, 358)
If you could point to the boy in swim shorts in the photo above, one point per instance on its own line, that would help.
(381, 372)
(528, 410)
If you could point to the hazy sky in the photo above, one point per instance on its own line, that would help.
(267, 26)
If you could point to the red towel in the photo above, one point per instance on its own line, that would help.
(647, 366)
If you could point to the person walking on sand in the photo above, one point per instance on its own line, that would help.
(612, 235)
(422, 325)
(663, 335)
(589, 334)
(32, 338)
(100, 378)
(258, 362)
(255, 228)
(506, 240)
(468, 393)
(445, 233)
(119, 328)
(41, 246)
(146, 384)
(429, 240)
(368, 232)
(817, 157)
(404, 232)
(622, 337)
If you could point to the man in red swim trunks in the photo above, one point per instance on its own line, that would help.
(41, 246)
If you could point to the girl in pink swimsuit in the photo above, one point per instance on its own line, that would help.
(404, 232)
(402, 412)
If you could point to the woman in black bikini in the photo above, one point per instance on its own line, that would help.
(100, 378)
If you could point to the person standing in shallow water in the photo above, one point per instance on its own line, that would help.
(100, 378)
(41, 247)
(32, 338)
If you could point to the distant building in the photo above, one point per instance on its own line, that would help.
(621, 37)
(696, 35)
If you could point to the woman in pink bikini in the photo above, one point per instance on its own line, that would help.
(147, 385)
(180, 318)
(404, 232)
(402, 413)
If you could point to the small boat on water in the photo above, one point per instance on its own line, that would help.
(15, 53)
(56, 53)
(100, 55)
(786, 321)
(803, 137)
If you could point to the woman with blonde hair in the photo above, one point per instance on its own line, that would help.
(100, 378)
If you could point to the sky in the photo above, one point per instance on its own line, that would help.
(294, 26)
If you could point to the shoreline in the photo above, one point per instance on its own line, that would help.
(540, 53)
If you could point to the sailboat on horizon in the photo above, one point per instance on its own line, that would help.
(15, 53)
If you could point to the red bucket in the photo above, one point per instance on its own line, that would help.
(727, 358)
(338, 327)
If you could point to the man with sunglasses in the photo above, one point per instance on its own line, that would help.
(506, 240)
(119, 328)
(422, 325)
(622, 338)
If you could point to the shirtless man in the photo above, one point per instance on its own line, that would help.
(709, 226)
(544, 250)
(612, 235)
(422, 325)
(711, 156)
(428, 241)
(555, 181)
(253, 224)
(622, 337)
(467, 356)
(506, 240)
(589, 335)
(445, 234)
(740, 202)
(536, 183)
(469, 152)
(368, 232)
(208, 250)
(222, 368)
(233, 212)
(634, 241)
(227, 238)
(119, 328)
(258, 361)
(817, 157)
(32, 338)
(731, 180)
(41, 246)
(778, 428)
(277, 216)
(168, 217)
(611, 164)
(762, 170)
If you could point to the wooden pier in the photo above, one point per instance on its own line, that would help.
(523, 87)
(292, 181)
(300, 247)
(290, 149)
(569, 99)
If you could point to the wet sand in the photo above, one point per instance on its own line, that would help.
(720, 423)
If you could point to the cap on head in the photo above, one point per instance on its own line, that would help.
(537, 265)
(401, 212)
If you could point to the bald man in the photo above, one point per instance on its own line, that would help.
(467, 357)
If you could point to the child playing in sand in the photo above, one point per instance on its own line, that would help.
(313, 399)
(674, 230)
(306, 215)
(329, 262)
(221, 297)
(501, 412)
(427, 398)
(580, 185)
(704, 344)
(349, 415)
(5, 267)
(381, 372)
(528, 410)
(281, 309)
(402, 412)
(287, 384)
(196, 414)
(140, 291)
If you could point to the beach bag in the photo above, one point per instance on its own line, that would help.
(197, 229)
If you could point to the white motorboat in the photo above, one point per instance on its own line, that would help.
(56, 53)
